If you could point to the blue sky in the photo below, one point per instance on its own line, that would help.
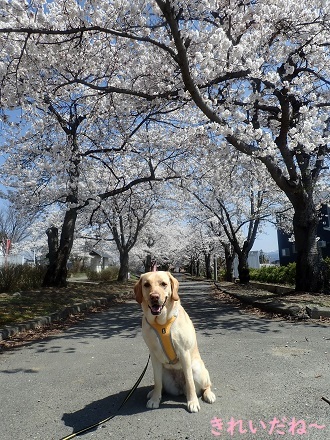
(267, 241)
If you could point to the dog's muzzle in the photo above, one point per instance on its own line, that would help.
(156, 309)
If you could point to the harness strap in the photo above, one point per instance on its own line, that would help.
(163, 332)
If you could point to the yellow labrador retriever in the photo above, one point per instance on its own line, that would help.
(171, 338)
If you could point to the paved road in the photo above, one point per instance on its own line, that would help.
(269, 377)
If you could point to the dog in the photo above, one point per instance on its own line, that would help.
(171, 339)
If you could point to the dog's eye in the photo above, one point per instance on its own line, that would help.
(147, 284)
(163, 284)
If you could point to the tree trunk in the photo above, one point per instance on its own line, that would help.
(208, 267)
(309, 260)
(198, 272)
(192, 267)
(243, 270)
(57, 271)
(243, 265)
(123, 269)
(52, 234)
(147, 263)
(229, 260)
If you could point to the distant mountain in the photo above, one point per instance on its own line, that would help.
(273, 255)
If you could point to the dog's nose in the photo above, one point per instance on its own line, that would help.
(154, 296)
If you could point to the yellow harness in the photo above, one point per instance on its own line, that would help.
(163, 333)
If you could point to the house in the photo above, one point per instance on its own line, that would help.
(253, 262)
(99, 260)
(287, 250)
(12, 259)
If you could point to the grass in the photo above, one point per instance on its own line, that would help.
(307, 298)
(23, 306)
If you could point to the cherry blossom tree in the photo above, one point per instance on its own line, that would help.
(235, 200)
(13, 228)
(125, 216)
(77, 162)
(258, 71)
(163, 241)
(201, 248)
(67, 132)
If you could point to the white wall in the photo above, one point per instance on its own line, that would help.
(253, 262)
(12, 259)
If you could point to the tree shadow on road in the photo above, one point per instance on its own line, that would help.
(123, 320)
(210, 315)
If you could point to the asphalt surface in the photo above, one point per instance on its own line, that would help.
(269, 377)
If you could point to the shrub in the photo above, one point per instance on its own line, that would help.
(291, 273)
(275, 274)
(20, 277)
(106, 275)
(221, 274)
(32, 277)
(76, 264)
(254, 274)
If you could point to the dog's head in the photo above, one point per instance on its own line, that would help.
(155, 289)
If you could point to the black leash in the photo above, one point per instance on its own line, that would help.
(95, 425)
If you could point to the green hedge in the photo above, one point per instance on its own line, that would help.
(20, 277)
(286, 274)
(275, 274)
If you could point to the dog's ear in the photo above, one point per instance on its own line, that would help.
(175, 287)
(138, 291)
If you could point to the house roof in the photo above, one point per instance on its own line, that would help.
(96, 253)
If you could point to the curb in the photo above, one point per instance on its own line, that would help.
(42, 321)
(280, 307)
(273, 288)
(270, 305)
(318, 312)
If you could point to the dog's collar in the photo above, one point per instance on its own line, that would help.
(163, 332)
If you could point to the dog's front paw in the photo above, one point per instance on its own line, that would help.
(193, 406)
(153, 401)
(209, 396)
(153, 404)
